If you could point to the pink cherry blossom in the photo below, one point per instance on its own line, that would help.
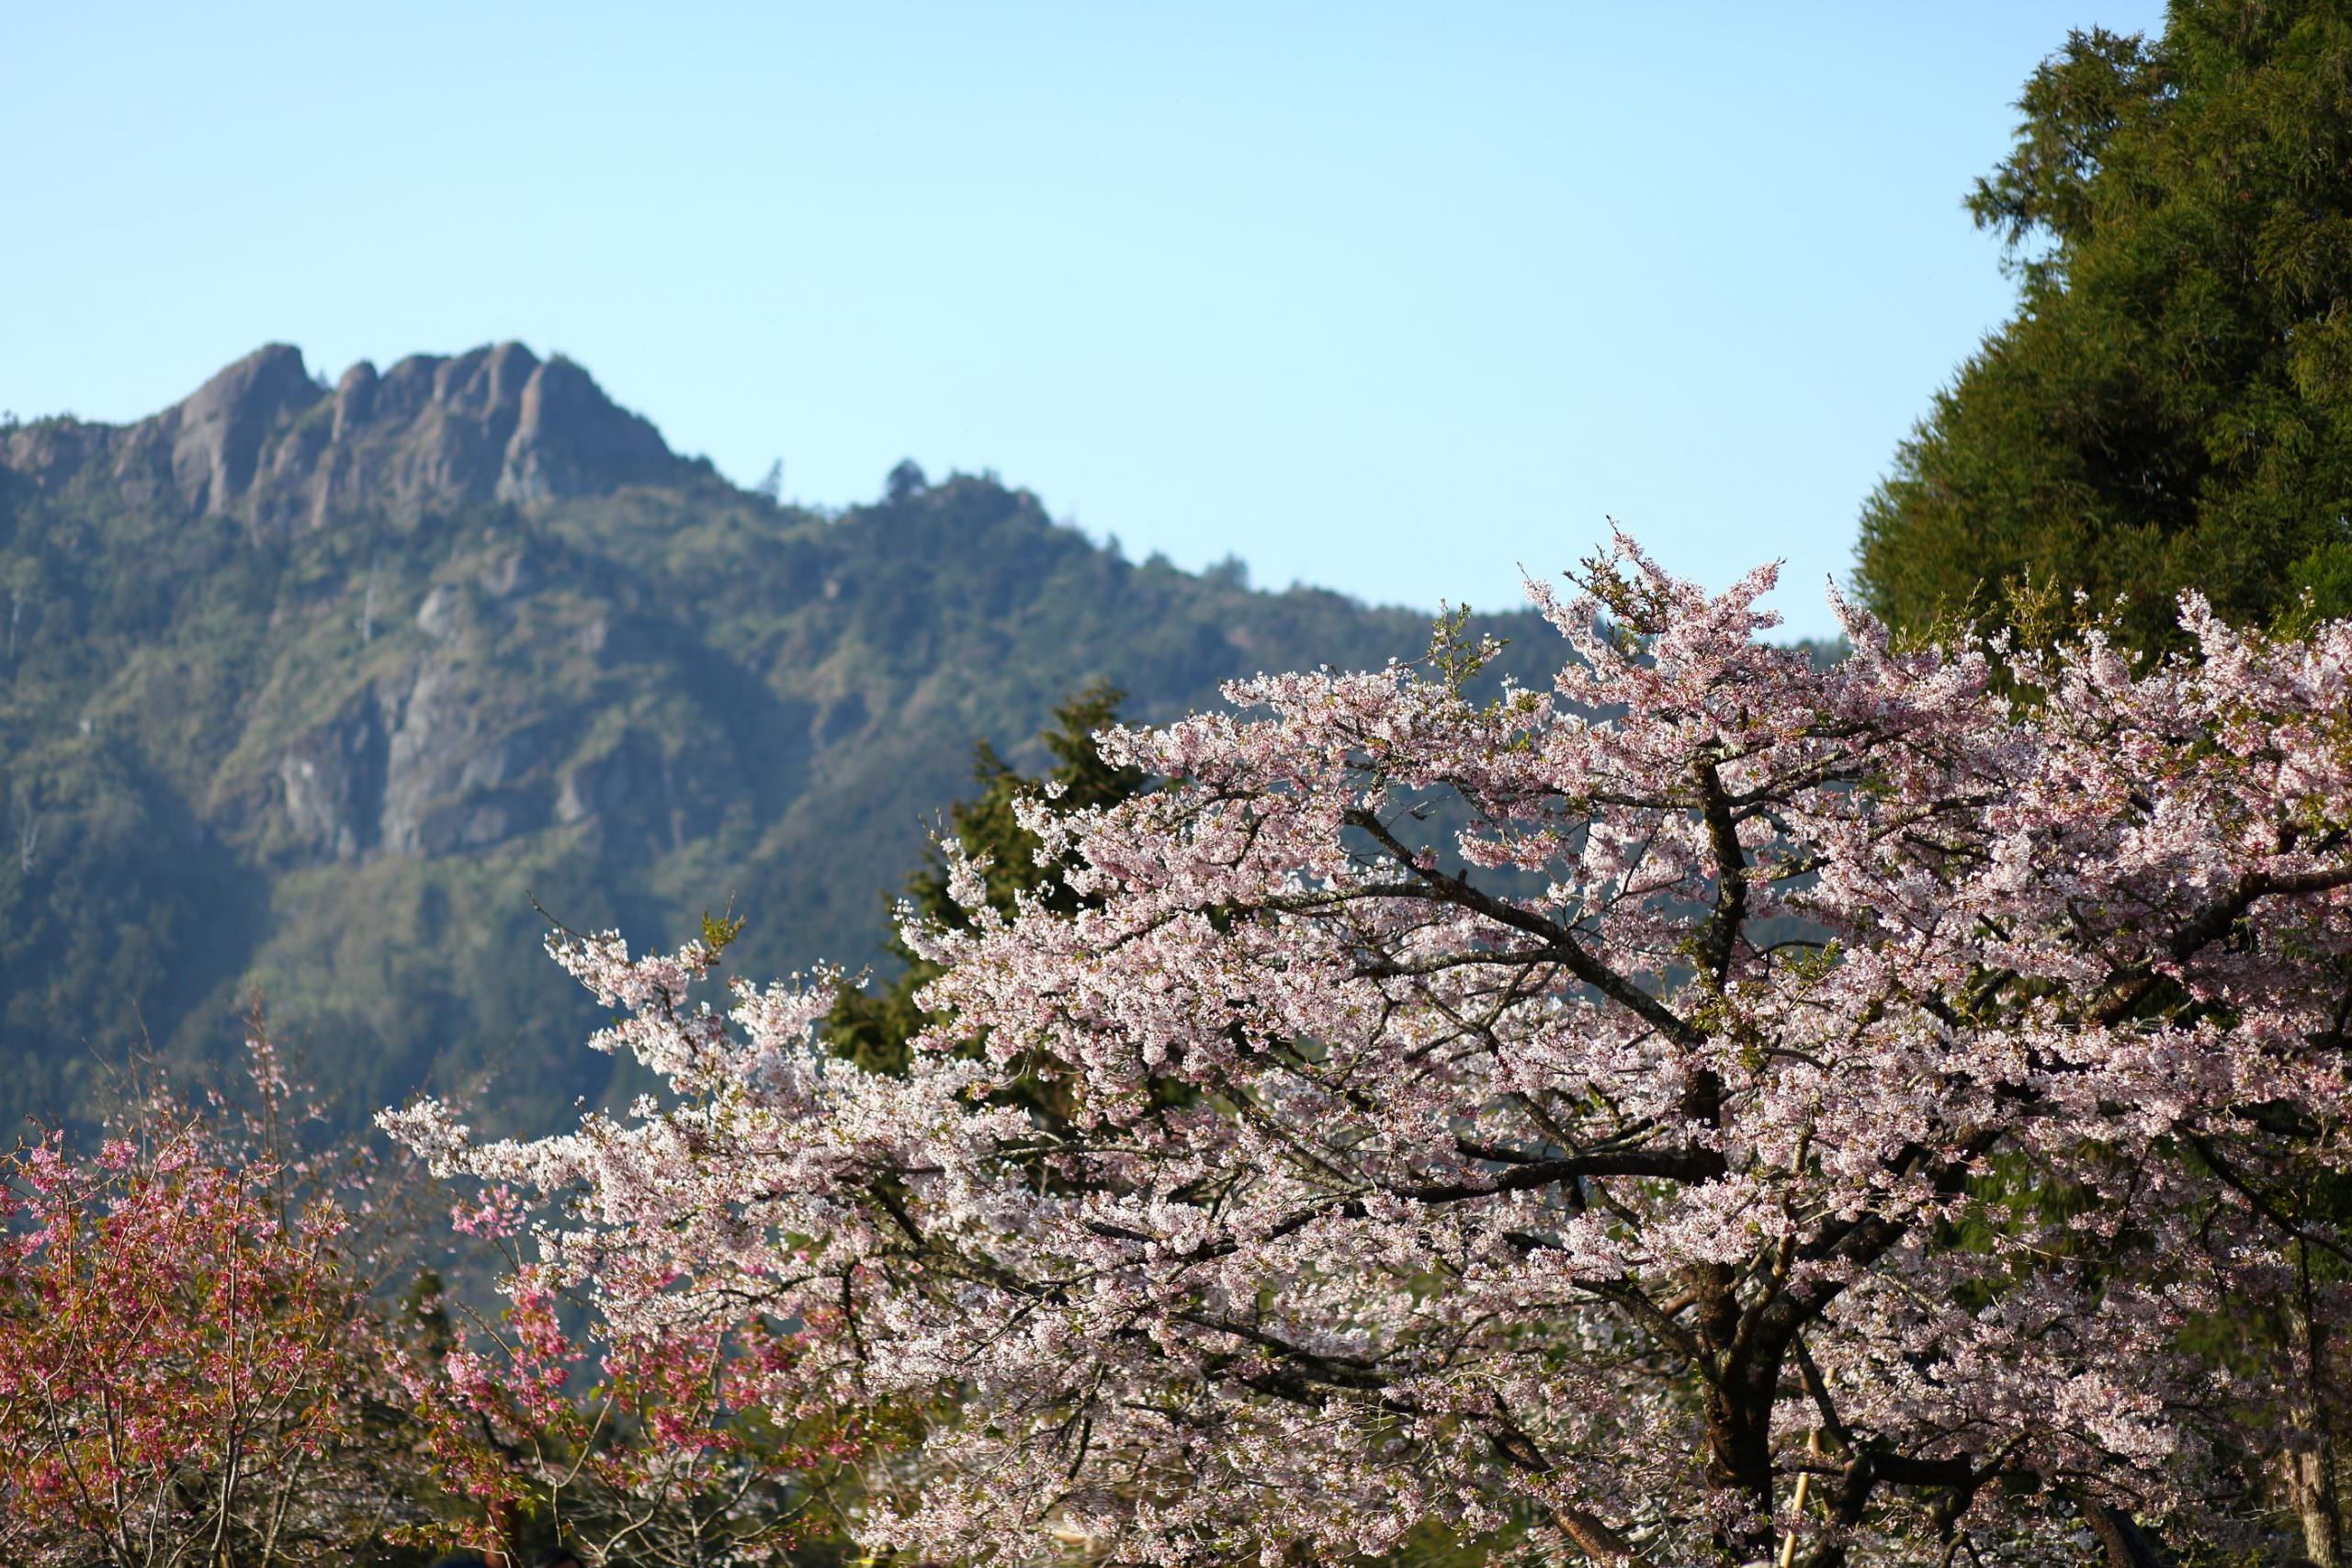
(1577, 1114)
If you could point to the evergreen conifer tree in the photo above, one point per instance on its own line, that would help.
(876, 1025)
(2171, 406)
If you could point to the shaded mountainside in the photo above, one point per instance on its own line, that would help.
(310, 688)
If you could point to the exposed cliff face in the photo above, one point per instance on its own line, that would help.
(262, 441)
(446, 749)
(331, 782)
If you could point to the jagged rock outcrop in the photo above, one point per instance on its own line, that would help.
(570, 439)
(216, 436)
(264, 441)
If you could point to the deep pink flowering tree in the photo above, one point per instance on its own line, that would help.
(179, 1368)
(196, 1367)
(191, 1368)
(667, 1451)
(1711, 1106)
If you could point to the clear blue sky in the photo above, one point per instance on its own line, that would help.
(1384, 297)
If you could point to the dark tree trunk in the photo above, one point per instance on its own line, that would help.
(2310, 1468)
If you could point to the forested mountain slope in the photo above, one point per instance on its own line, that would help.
(310, 689)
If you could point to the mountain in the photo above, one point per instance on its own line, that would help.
(312, 689)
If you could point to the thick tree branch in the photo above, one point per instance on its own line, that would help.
(1460, 890)
(1721, 935)
(2209, 925)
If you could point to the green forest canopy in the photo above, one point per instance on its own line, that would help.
(2171, 406)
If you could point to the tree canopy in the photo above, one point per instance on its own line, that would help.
(1710, 1109)
(2171, 405)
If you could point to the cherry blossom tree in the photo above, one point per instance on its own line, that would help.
(1715, 1109)
(191, 1369)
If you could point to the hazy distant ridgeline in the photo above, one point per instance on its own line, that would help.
(305, 687)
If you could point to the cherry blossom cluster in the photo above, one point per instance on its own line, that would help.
(184, 1360)
(1716, 1104)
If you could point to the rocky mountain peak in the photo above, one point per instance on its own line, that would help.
(220, 428)
(263, 441)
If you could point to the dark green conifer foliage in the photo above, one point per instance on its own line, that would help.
(2171, 406)
(875, 1025)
